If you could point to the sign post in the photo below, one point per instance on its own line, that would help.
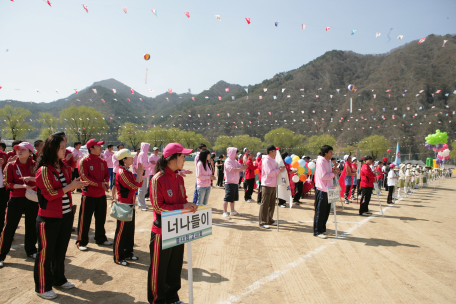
(182, 226)
(333, 198)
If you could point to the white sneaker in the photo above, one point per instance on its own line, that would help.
(144, 209)
(226, 215)
(365, 214)
(347, 202)
(48, 295)
(282, 206)
(275, 223)
(106, 243)
(322, 236)
(265, 226)
(327, 234)
(82, 248)
(147, 199)
(234, 212)
(1, 264)
(67, 285)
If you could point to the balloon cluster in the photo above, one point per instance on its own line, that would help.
(437, 138)
(302, 168)
(437, 142)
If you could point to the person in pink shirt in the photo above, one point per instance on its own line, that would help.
(232, 171)
(144, 160)
(107, 156)
(115, 168)
(269, 173)
(204, 177)
(77, 155)
(324, 175)
(153, 159)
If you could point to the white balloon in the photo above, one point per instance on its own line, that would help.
(311, 165)
(295, 178)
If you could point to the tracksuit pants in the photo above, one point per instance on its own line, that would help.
(220, 178)
(249, 189)
(260, 193)
(267, 206)
(53, 237)
(96, 206)
(148, 185)
(112, 177)
(365, 199)
(16, 207)
(390, 193)
(322, 209)
(164, 277)
(347, 191)
(142, 194)
(298, 191)
(124, 239)
(3, 205)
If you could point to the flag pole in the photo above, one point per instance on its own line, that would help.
(277, 205)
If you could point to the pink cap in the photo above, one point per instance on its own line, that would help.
(94, 142)
(24, 145)
(392, 165)
(173, 148)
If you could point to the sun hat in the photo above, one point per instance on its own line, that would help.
(124, 153)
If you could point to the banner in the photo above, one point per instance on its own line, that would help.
(283, 184)
(181, 226)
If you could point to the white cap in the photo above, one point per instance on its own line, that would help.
(303, 157)
(240, 155)
(258, 154)
(354, 158)
(346, 157)
(245, 149)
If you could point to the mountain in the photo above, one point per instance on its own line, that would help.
(412, 67)
(227, 109)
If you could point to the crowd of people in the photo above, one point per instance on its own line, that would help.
(38, 180)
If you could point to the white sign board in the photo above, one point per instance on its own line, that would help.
(181, 226)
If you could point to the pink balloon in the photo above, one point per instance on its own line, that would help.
(389, 150)
(445, 146)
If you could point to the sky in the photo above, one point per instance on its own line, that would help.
(64, 48)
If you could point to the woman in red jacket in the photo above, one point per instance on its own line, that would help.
(55, 217)
(126, 186)
(167, 194)
(18, 176)
(367, 184)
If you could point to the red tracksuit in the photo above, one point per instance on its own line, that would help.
(124, 239)
(93, 170)
(163, 282)
(249, 179)
(3, 194)
(18, 205)
(367, 184)
(53, 228)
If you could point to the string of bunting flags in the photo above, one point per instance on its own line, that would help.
(248, 20)
(389, 93)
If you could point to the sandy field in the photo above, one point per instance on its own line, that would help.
(407, 256)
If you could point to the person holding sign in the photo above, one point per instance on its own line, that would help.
(324, 175)
(126, 185)
(269, 173)
(167, 192)
(367, 185)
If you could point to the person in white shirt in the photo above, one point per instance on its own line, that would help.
(392, 181)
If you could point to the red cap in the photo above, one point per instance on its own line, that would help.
(173, 148)
(94, 142)
(24, 145)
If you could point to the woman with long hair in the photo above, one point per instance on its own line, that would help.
(204, 177)
(55, 217)
(167, 193)
(19, 176)
(212, 165)
(126, 184)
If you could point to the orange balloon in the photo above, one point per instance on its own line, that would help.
(294, 164)
(257, 171)
(302, 178)
(310, 172)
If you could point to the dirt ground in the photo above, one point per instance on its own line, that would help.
(407, 256)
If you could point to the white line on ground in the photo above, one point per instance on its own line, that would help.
(256, 285)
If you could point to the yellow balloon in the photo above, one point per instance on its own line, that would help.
(295, 158)
(300, 170)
